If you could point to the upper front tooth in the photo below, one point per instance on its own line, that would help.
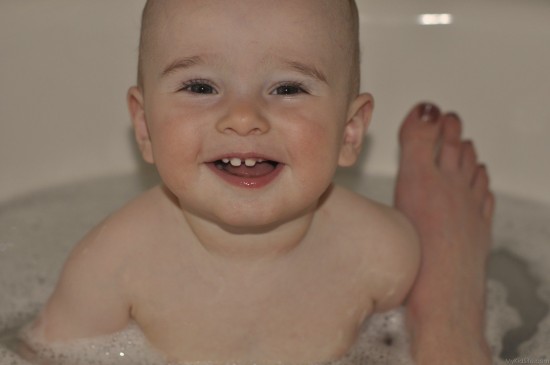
(236, 162)
(225, 160)
(250, 162)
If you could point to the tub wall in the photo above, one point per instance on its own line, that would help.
(65, 66)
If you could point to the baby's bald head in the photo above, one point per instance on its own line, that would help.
(346, 10)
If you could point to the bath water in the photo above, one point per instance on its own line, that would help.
(37, 232)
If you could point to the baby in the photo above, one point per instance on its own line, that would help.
(246, 251)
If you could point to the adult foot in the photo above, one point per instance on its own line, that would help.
(444, 191)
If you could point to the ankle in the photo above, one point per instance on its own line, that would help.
(432, 350)
(456, 340)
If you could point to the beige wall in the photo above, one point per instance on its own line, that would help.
(65, 66)
(491, 65)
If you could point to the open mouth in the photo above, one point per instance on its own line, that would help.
(247, 168)
(251, 172)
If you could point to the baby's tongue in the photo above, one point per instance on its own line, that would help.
(261, 169)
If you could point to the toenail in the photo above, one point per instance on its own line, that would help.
(429, 112)
(454, 115)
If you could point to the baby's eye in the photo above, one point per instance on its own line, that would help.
(289, 89)
(198, 87)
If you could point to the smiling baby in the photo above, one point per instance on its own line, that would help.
(247, 251)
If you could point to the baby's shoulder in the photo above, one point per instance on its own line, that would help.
(129, 229)
(357, 212)
(145, 213)
(92, 294)
(383, 238)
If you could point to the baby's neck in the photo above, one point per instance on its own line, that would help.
(248, 243)
(251, 245)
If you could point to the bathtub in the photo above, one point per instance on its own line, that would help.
(65, 67)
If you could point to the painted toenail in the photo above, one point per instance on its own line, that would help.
(429, 112)
(454, 115)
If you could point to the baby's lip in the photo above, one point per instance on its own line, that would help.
(244, 156)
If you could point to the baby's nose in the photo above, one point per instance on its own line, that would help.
(243, 118)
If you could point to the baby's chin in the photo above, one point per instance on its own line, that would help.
(254, 222)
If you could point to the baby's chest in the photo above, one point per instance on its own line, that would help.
(206, 319)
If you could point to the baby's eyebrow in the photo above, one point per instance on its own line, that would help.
(182, 63)
(303, 68)
(308, 70)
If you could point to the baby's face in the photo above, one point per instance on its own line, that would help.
(247, 104)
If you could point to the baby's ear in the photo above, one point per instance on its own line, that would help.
(141, 131)
(359, 116)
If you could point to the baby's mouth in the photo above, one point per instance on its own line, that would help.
(246, 168)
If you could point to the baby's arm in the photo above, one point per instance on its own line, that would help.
(89, 299)
(398, 261)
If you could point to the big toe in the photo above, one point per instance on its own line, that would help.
(420, 135)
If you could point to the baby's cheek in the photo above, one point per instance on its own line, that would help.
(175, 158)
(314, 159)
(320, 143)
